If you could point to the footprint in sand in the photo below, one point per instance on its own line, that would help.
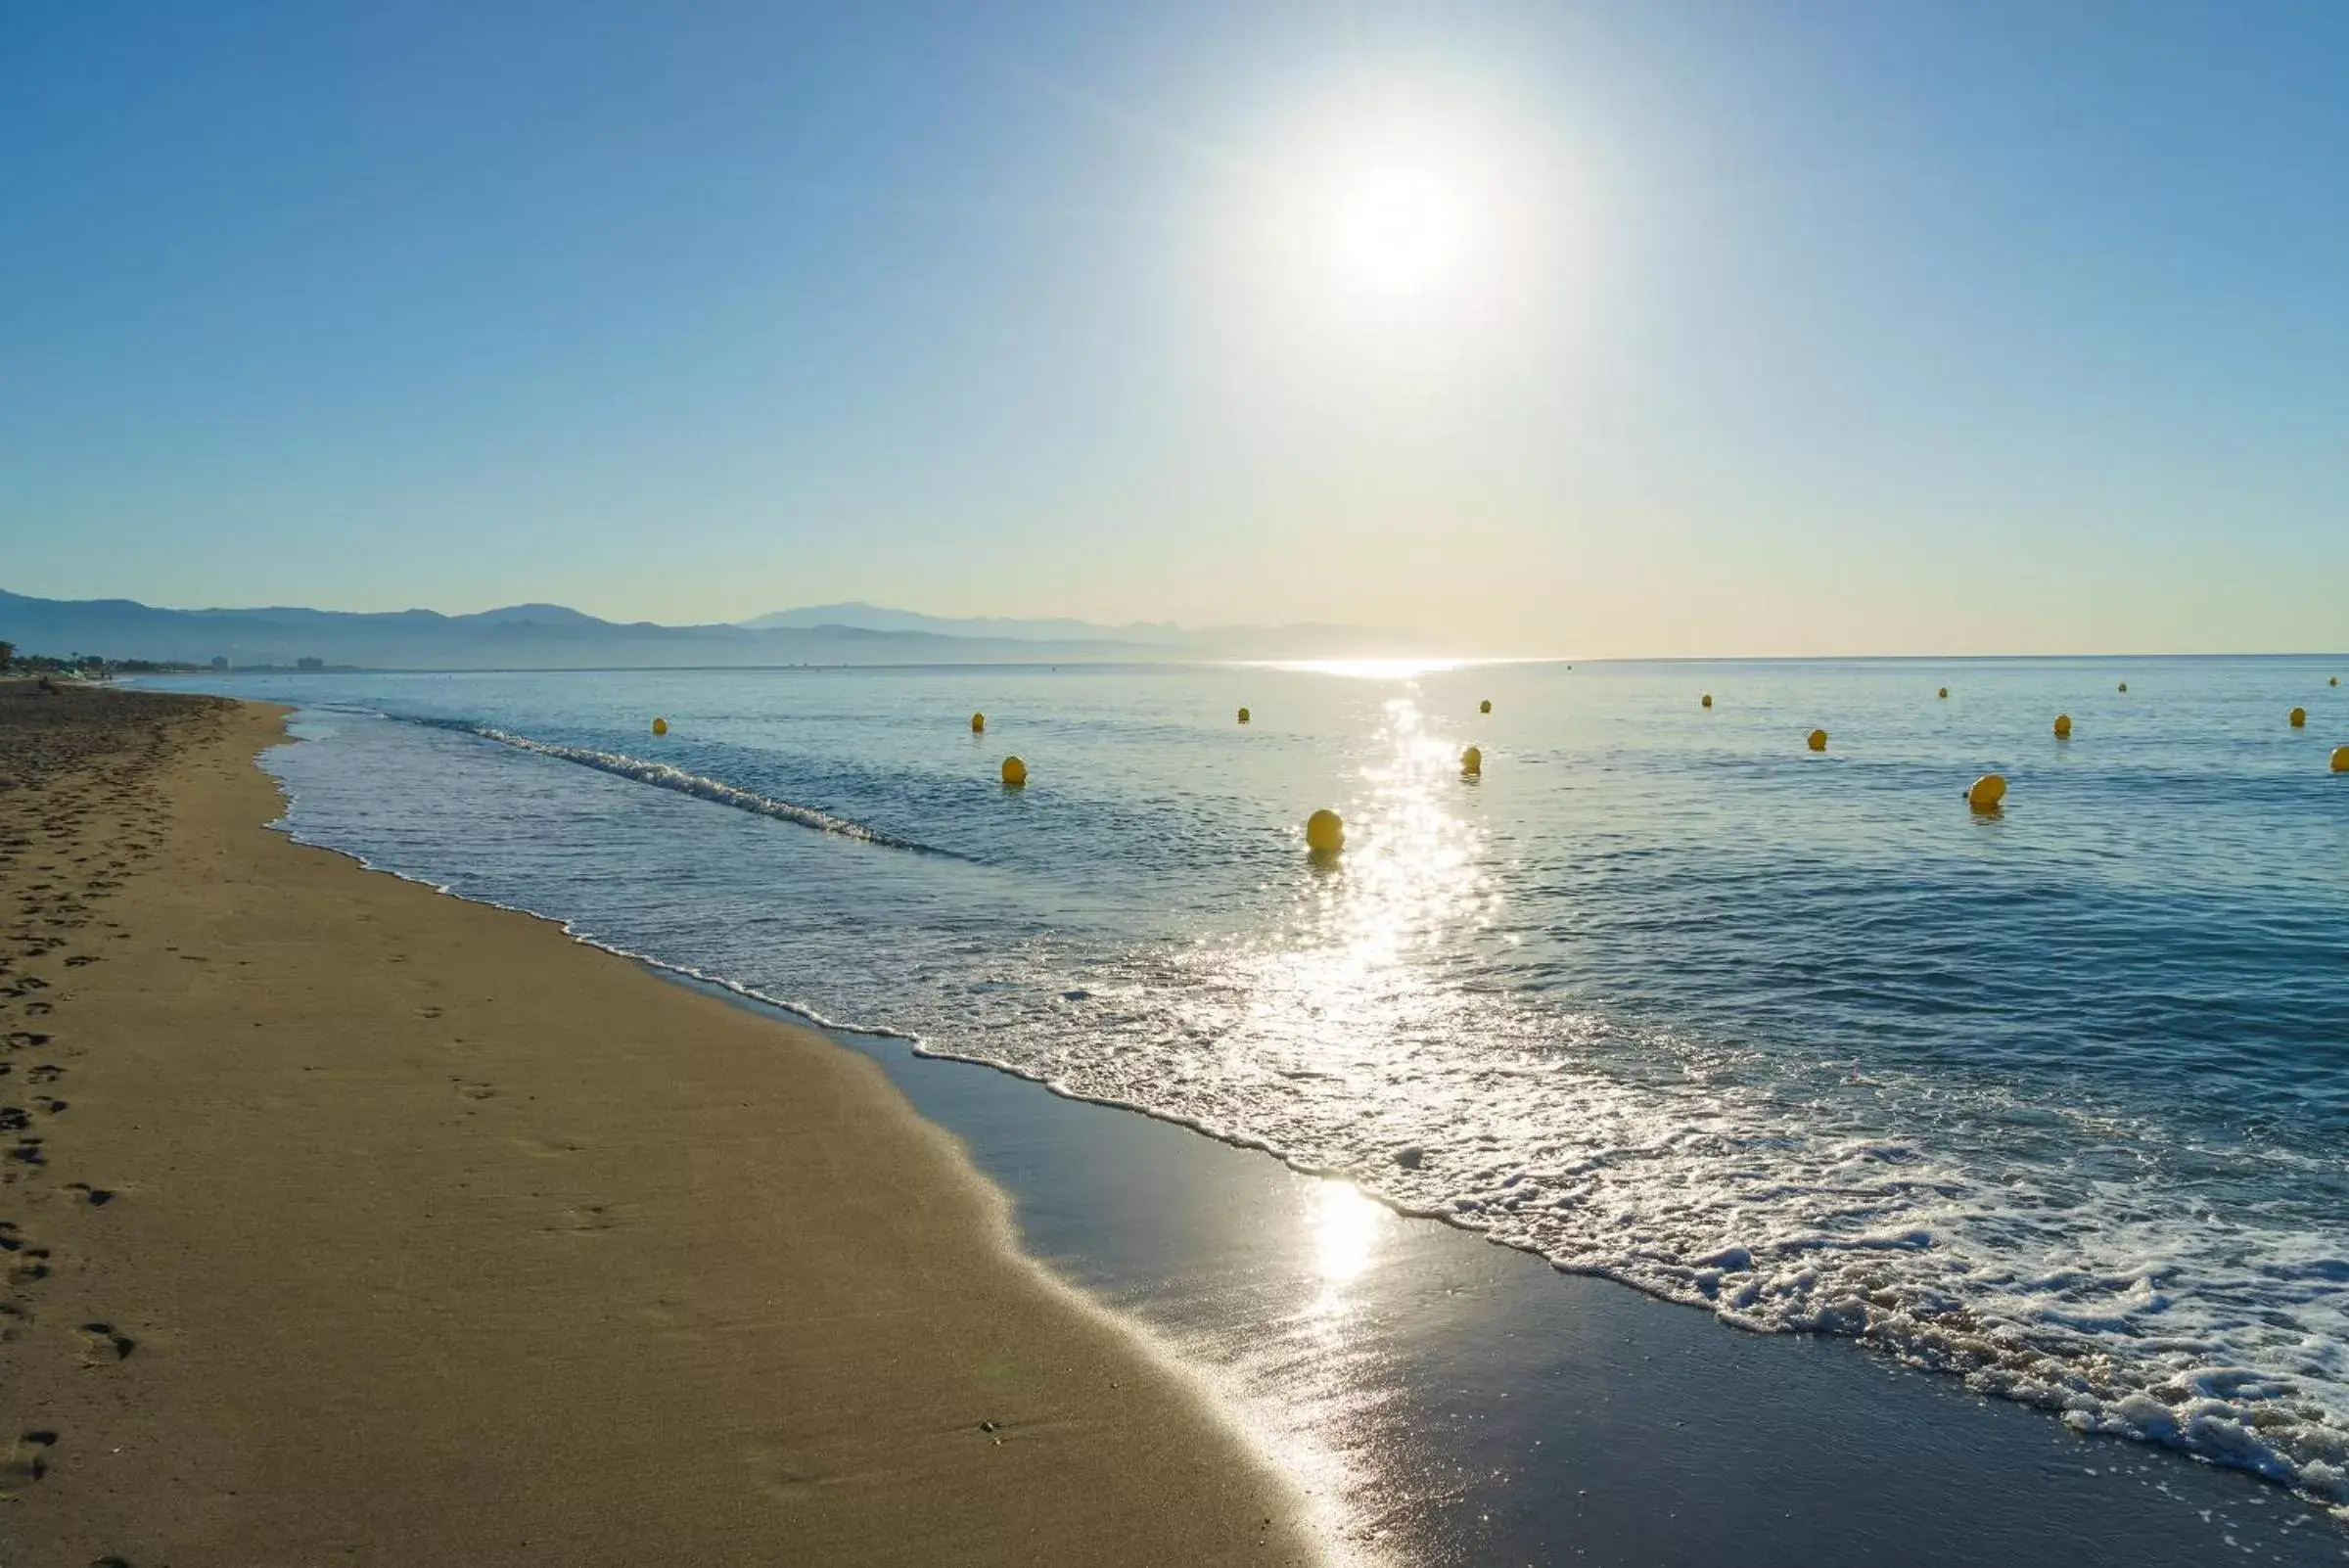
(28, 1461)
(95, 1197)
(547, 1148)
(46, 1073)
(586, 1217)
(104, 1345)
(788, 1473)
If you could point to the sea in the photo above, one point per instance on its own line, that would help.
(2052, 1098)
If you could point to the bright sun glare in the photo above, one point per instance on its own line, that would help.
(1387, 236)
(1401, 230)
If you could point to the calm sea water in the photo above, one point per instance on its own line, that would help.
(2054, 1099)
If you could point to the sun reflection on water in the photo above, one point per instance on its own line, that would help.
(1369, 669)
(1355, 981)
(1350, 966)
(1345, 1229)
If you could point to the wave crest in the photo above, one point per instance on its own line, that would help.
(667, 777)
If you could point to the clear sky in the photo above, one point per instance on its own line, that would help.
(1586, 329)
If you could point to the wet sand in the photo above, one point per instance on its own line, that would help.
(349, 1222)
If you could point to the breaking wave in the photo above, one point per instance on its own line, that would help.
(665, 776)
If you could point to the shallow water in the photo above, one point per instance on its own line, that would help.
(2056, 1099)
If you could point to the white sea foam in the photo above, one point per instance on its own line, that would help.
(666, 776)
(2136, 1330)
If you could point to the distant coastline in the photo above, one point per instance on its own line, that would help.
(545, 637)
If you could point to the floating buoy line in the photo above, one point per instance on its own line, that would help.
(1325, 830)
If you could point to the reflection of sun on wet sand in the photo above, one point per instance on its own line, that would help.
(347, 1221)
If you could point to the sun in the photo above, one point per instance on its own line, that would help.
(1377, 237)
(1402, 231)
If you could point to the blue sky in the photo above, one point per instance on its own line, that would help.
(1797, 328)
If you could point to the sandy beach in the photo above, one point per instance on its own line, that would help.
(349, 1222)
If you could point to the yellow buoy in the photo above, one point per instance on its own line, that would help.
(2063, 727)
(1326, 832)
(1944, 692)
(1472, 761)
(2124, 685)
(2300, 719)
(1706, 701)
(1243, 716)
(2333, 680)
(659, 726)
(2341, 759)
(1817, 740)
(1485, 707)
(978, 722)
(1015, 772)
(1987, 792)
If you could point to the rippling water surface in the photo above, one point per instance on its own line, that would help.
(2056, 1099)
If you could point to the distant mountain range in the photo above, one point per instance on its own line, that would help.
(551, 636)
(874, 617)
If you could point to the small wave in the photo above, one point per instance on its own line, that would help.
(663, 775)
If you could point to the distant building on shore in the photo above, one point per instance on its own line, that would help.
(310, 664)
(219, 660)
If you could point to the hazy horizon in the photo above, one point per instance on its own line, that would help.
(1721, 330)
(1206, 644)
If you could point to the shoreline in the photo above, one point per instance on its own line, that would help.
(1471, 1403)
(2200, 1503)
(430, 1234)
(861, 1038)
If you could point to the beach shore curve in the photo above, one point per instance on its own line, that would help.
(348, 1221)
